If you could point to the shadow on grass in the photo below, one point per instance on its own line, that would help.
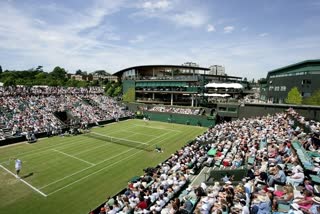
(27, 175)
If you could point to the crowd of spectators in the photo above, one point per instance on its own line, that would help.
(281, 153)
(32, 109)
(175, 110)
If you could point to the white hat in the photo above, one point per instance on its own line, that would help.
(316, 199)
(271, 189)
(228, 182)
(317, 159)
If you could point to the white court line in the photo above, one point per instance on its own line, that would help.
(101, 169)
(85, 169)
(92, 164)
(159, 128)
(40, 150)
(32, 187)
(87, 150)
(62, 144)
(140, 133)
(90, 167)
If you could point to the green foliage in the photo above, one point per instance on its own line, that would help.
(117, 91)
(58, 73)
(107, 86)
(130, 95)
(57, 77)
(0, 69)
(110, 91)
(9, 82)
(101, 72)
(314, 99)
(294, 96)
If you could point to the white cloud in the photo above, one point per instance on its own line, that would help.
(211, 28)
(189, 19)
(138, 39)
(228, 29)
(156, 5)
(263, 34)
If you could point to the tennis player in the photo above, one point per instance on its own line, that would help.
(145, 120)
(18, 165)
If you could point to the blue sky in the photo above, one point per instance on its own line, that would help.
(248, 37)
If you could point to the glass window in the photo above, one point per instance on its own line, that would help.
(222, 109)
(232, 109)
(276, 88)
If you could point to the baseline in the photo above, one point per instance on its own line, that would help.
(23, 181)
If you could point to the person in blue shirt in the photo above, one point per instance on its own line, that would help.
(278, 178)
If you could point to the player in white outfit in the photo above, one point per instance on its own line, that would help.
(17, 165)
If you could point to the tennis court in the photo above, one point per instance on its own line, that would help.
(76, 173)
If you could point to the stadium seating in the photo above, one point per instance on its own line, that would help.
(266, 144)
(25, 109)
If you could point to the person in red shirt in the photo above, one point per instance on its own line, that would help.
(142, 204)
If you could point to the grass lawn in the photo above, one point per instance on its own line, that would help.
(75, 174)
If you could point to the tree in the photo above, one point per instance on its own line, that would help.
(79, 72)
(294, 96)
(129, 96)
(90, 77)
(117, 91)
(110, 91)
(101, 72)
(107, 86)
(314, 99)
(9, 82)
(39, 68)
(58, 73)
(0, 69)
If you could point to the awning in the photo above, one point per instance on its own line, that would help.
(224, 85)
(217, 95)
(161, 84)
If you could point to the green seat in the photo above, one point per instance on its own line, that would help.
(283, 207)
(315, 178)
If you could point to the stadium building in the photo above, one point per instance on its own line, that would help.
(178, 84)
(304, 75)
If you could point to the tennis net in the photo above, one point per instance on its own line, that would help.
(120, 141)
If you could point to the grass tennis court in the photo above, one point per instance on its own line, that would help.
(75, 174)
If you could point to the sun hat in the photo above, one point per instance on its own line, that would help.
(316, 199)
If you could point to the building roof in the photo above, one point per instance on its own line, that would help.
(297, 66)
(161, 66)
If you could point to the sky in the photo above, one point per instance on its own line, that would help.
(248, 37)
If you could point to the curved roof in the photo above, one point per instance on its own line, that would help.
(295, 66)
(161, 66)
